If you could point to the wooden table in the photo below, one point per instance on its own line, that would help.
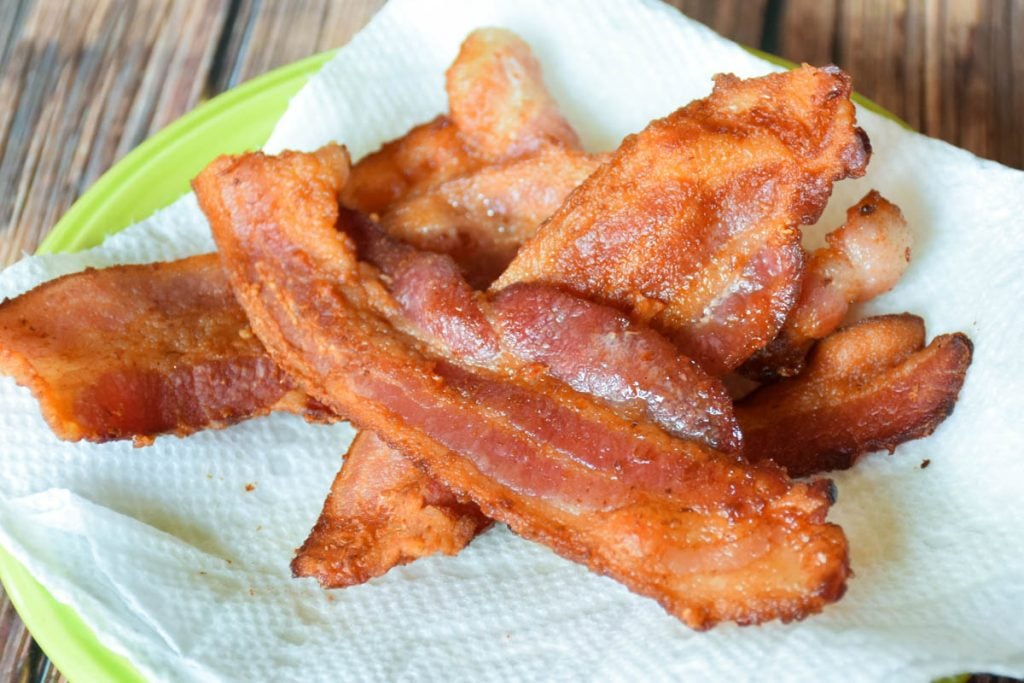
(82, 83)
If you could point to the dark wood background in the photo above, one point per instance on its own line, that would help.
(83, 82)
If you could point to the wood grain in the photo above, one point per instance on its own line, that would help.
(265, 34)
(87, 82)
(84, 82)
(953, 69)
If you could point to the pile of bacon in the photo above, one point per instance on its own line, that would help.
(536, 335)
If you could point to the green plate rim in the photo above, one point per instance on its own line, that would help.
(132, 189)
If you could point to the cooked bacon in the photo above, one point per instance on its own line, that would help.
(592, 348)
(431, 189)
(707, 535)
(482, 218)
(869, 386)
(500, 110)
(864, 258)
(137, 351)
(382, 512)
(193, 364)
(428, 154)
(692, 224)
(133, 352)
(498, 100)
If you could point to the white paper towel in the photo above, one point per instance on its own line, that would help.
(172, 562)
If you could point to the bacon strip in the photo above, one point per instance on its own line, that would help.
(500, 110)
(498, 99)
(432, 190)
(865, 257)
(482, 218)
(593, 349)
(382, 512)
(869, 386)
(137, 351)
(723, 541)
(692, 224)
(428, 154)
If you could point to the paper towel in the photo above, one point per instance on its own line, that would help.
(173, 563)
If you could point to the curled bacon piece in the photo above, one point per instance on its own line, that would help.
(137, 351)
(864, 258)
(692, 224)
(498, 100)
(382, 512)
(869, 386)
(500, 110)
(482, 218)
(428, 154)
(707, 535)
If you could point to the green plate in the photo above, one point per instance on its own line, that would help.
(149, 178)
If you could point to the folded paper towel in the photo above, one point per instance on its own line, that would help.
(169, 557)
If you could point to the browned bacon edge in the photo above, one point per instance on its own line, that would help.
(864, 257)
(382, 512)
(498, 99)
(137, 351)
(869, 386)
(711, 538)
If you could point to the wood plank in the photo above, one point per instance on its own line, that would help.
(266, 34)
(87, 82)
(17, 662)
(953, 69)
(808, 29)
(740, 20)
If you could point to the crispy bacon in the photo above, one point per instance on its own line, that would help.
(864, 258)
(498, 99)
(500, 110)
(692, 224)
(429, 189)
(591, 348)
(428, 154)
(482, 218)
(707, 535)
(382, 512)
(194, 367)
(869, 386)
(137, 351)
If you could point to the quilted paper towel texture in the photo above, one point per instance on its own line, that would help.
(173, 563)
